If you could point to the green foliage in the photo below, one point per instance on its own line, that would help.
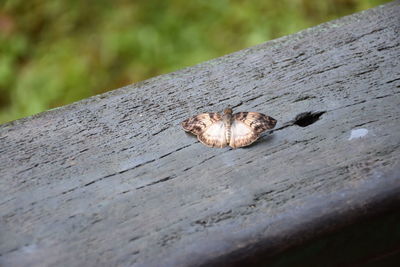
(55, 52)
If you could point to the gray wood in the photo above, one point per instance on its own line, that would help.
(114, 181)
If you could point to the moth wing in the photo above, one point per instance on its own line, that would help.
(199, 123)
(247, 127)
(241, 135)
(256, 121)
(214, 135)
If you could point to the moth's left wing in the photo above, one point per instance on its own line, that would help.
(248, 126)
(199, 123)
(214, 136)
(208, 127)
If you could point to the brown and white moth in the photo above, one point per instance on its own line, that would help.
(236, 130)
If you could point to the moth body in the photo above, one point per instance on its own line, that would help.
(227, 119)
(236, 130)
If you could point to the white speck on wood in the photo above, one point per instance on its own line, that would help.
(358, 133)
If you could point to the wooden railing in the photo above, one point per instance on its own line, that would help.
(113, 180)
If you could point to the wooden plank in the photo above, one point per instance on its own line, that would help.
(113, 180)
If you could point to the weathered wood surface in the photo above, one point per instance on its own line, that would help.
(114, 181)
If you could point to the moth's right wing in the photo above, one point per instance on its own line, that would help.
(247, 127)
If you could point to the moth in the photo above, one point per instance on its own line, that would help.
(236, 130)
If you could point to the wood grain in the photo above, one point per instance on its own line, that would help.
(114, 181)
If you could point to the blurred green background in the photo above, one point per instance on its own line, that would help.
(58, 51)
